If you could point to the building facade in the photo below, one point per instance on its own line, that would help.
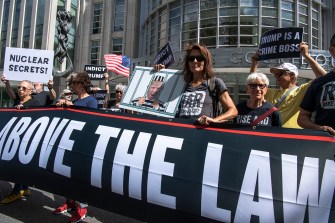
(231, 30)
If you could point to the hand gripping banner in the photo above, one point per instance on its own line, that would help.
(171, 170)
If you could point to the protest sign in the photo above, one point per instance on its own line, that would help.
(171, 170)
(156, 93)
(95, 72)
(28, 64)
(165, 56)
(100, 96)
(280, 43)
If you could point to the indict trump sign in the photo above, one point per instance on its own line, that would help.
(171, 170)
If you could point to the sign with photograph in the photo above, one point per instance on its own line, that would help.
(28, 64)
(165, 56)
(95, 72)
(155, 93)
(280, 43)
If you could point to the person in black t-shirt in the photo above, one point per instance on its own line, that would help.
(44, 97)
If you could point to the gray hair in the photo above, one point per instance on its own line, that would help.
(258, 76)
(29, 83)
(120, 87)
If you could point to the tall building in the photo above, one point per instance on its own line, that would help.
(98, 27)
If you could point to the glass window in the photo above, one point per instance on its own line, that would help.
(119, 15)
(208, 23)
(190, 34)
(97, 17)
(269, 12)
(248, 20)
(228, 21)
(39, 24)
(227, 3)
(270, 3)
(190, 26)
(204, 14)
(287, 5)
(249, 2)
(232, 30)
(228, 40)
(248, 30)
(208, 42)
(16, 18)
(269, 22)
(249, 40)
(208, 32)
(249, 11)
(287, 23)
(287, 15)
(95, 52)
(228, 11)
(117, 44)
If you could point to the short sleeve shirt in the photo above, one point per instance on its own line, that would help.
(196, 101)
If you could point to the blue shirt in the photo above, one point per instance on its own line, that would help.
(89, 102)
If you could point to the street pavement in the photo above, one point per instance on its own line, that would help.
(38, 208)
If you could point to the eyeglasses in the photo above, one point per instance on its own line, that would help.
(22, 88)
(254, 86)
(118, 92)
(281, 73)
(199, 58)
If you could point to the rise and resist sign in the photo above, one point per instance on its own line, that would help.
(171, 170)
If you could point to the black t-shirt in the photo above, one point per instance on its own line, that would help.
(29, 103)
(196, 101)
(42, 98)
(247, 115)
(320, 97)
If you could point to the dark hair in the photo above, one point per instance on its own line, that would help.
(81, 77)
(208, 68)
(332, 40)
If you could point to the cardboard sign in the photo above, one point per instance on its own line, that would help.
(100, 96)
(28, 64)
(155, 93)
(165, 56)
(95, 72)
(280, 43)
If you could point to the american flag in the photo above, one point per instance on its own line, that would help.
(118, 64)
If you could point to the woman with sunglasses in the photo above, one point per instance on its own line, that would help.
(197, 101)
(22, 99)
(80, 83)
(119, 91)
(256, 110)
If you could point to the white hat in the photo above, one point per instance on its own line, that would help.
(286, 66)
(66, 91)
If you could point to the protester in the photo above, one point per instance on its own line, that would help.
(256, 110)
(119, 91)
(287, 99)
(24, 99)
(44, 97)
(320, 98)
(150, 100)
(199, 101)
(80, 83)
(65, 95)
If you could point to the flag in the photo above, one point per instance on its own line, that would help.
(118, 64)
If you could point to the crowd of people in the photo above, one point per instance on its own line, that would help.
(310, 105)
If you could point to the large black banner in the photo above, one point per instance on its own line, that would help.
(170, 170)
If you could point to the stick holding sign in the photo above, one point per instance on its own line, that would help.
(280, 43)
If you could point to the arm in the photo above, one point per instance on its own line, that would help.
(317, 69)
(51, 90)
(106, 88)
(231, 111)
(305, 121)
(9, 90)
(254, 62)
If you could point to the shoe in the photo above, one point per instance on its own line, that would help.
(25, 192)
(78, 215)
(67, 206)
(11, 198)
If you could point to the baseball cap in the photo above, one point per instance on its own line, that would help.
(285, 66)
(66, 91)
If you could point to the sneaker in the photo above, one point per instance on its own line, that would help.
(78, 215)
(11, 198)
(25, 192)
(67, 206)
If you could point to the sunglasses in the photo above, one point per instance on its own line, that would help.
(118, 92)
(22, 88)
(199, 58)
(254, 86)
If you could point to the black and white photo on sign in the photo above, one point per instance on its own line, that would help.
(95, 72)
(155, 93)
(28, 64)
(280, 43)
